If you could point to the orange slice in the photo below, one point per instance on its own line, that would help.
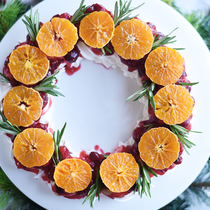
(159, 148)
(28, 64)
(33, 147)
(57, 37)
(119, 172)
(73, 175)
(164, 66)
(22, 106)
(174, 104)
(96, 29)
(132, 39)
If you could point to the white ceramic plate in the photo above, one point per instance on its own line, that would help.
(94, 117)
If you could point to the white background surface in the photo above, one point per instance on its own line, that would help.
(167, 189)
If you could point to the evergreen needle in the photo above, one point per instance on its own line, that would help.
(143, 182)
(7, 127)
(47, 86)
(147, 88)
(188, 84)
(149, 126)
(164, 40)
(57, 157)
(79, 14)
(123, 10)
(182, 135)
(95, 190)
(32, 24)
(104, 49)
(4, 78)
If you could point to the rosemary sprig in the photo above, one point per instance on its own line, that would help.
(32, 24)
(182, 133)
(79, 13)
(4, 78)
(147, 88)
(165, 40)
(7, 127)
(143, 182)
(57, 157)
(188, 84)
(47, 86)
(123, 10)
(95, 190)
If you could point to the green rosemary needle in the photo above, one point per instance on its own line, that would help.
(165, 40)
(95, 190)
(79, 13)
(32, 24)
(7, 127)
(188, 84)
(143, 182)
(123, 10)
(148, 88)
(4, 78)
(57, 157)
(47, 86)
(182, 133)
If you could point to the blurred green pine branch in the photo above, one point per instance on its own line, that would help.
(9, 14)
(197, 192)
(199, 20)
(11, 196)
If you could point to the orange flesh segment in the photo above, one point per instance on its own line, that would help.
(164, 66)
(174, 104)
(57, 37)
(33, 147)
(28, 64)
(73, 175)
(119, 172)
(22, 106)
(96, 29)
(159, 148)
(132, 39)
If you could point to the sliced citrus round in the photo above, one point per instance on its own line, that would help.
(119, 172)
(96, 29)
(33, 147)
(174, 104)
(132, 39)
(57, 37)
(28, 64)
(73, 175)
(159, 148)
(22, 106)
(164, 66)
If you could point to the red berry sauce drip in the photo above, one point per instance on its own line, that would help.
(98, 8)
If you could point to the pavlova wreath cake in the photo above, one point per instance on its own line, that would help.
(138, 49)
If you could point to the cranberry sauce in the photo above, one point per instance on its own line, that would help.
(98, 8)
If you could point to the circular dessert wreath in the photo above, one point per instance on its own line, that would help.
(96, 166)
